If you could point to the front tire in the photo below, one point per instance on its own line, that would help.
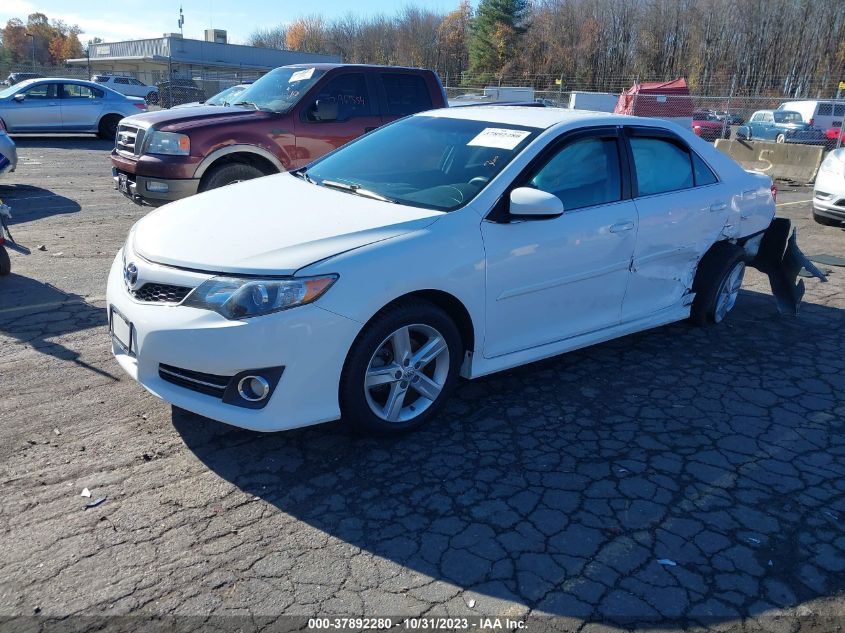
(229, 174)
(401, 369)
(717, 283)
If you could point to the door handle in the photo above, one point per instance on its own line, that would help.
(718, 206)
(622, 226)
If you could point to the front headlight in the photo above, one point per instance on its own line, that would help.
(168, 143)
(239, 298)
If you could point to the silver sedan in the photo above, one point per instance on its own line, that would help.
(8, 153)
(65, 105)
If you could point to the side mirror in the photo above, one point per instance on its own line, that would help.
(742, 133)
(325, 110)
(19, 97)
(529, 202)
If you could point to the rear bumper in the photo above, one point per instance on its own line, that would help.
(138, 188)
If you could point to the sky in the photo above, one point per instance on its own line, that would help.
(115, 20)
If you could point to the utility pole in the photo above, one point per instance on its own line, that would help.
(32, 35)
(181, 21)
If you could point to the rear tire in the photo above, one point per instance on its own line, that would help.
(5, 262)
(108, 127)
(780, 139)
(717, 283)
(401, 369)
(229, 174)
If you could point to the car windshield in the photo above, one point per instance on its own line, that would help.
(432, 162)
(788, 117)
(227, 96)
(15, 89)
(280, 89)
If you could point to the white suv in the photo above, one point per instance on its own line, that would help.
(129, 86)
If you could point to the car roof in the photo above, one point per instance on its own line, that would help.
(542, 118)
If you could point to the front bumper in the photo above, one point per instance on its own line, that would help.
(137, 188)
(309, 342)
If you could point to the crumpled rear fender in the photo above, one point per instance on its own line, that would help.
(779, 257)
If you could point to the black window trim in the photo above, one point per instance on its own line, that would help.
(61, 90)
(645, 131)
(500, 213)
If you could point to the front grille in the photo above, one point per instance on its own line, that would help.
(160, 293)
(208, 384)
(129, 139)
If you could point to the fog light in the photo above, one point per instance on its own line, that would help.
(158, 187)
(253, 388)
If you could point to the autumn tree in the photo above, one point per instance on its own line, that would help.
(453, 39)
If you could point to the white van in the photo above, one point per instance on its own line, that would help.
(821, 114)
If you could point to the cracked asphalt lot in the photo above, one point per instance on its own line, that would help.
(680, 477)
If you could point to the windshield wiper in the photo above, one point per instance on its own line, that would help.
(356, 189)
(253, 104)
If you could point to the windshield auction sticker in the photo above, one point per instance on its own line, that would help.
(500, 138)
(299, 75)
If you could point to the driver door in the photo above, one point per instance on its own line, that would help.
(357, 114)
(555, 278)
(39, 110)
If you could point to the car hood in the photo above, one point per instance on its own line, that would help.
(273, 225)
(182, 119)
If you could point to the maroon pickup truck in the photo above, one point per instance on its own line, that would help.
(286, 119)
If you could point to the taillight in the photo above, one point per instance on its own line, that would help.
(697, 130)
(810, 122)
(140, 106)
(774, 192)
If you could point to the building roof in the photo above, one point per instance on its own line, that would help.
(180, 50)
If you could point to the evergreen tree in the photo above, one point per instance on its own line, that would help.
(495, 30)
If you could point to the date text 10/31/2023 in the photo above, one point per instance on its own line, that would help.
(414, 624)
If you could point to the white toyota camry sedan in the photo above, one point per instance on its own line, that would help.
(457, 242)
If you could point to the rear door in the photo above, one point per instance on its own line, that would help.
(682, 208)
(39, 110)
(357, 114)
(81, 107)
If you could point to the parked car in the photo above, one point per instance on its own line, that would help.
(224, 97)
(284, 120)
(708, 126)
(8, 151)
(461, 241)
(65, 105)
(829, 190)
(781, 126)
(128, 86)
(16, 78)
(178, 91)
(732, 117)
(819, 113)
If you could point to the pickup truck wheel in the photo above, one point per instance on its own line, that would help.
(401, 369)
(717, 283)
(229, 174)
(108, 127)
(5, 262)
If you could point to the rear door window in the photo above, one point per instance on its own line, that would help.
(406, 94)
(661, 165)
(77, 91)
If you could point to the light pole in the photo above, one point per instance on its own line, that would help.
(32, 35)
